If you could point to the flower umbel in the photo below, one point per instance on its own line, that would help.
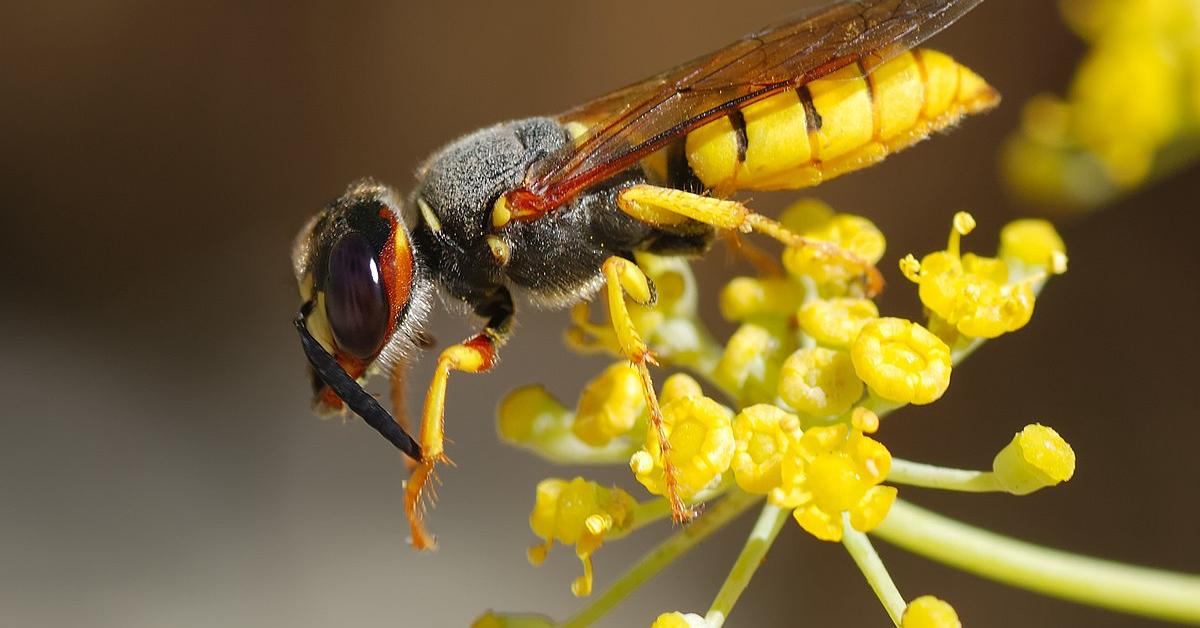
(808, 373)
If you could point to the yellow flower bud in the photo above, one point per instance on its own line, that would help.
(902, 361)
(1036, 458)
(929, 612)
(747, 296)
(806, 214)
(761, 434)
(819, 382)
(527, 413)
(679, 620)
(1034, 242)
(700, 433)
(752, 358)
(610, 405)
(678, 386)
(836, 322)
(579, 513)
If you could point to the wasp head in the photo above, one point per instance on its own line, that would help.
(364, 291)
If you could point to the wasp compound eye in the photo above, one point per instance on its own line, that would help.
(356, 304)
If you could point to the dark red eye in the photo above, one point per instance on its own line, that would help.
(355, 301)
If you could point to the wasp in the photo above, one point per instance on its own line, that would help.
(554, 209)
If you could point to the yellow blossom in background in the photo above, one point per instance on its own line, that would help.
(929, 612)
(819, 382)
(700, 433)
(610, 405)
(836, 322)
(579, 513)
(752, 359)
(1133, 106)
(831, 470)
(1036, 458)
(1033, 242)
(678, 386)
(761, 433)
(745, 297)
(528, 413)
(902, 361)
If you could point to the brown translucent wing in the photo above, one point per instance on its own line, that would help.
(629, 124)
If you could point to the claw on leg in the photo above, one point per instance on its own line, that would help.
(625, 278)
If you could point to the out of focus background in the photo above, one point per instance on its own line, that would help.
(159, 465)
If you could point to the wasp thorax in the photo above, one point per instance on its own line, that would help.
(356, 303)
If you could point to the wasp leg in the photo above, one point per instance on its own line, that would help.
(666, 207)
(624, 277)
(399, 409)
(474, 355)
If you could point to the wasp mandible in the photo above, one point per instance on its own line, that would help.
(554, 208)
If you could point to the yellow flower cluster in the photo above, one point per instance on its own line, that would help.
(1133, 97)
(806, 371)
(579, 513)
(968, 292)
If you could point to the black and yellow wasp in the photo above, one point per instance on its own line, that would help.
(554, 208)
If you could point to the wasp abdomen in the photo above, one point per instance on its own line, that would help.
(833, 125)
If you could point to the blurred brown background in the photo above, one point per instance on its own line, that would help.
(159, 465)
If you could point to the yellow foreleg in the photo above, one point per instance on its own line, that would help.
(472, 356)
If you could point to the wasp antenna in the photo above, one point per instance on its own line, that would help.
(355, 398)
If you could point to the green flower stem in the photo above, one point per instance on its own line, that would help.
(564, 448)
(872, 567)
(930, 476)
(1131, 589)
(678, 544)
(770, 522)
(652, 510)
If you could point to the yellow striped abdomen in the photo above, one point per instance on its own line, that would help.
(837, 124)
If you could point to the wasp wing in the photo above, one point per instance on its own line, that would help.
(631, 123)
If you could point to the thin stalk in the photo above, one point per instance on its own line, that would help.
(675, 546)
(1127, 588)
(869, 563)
(769, 523)
(930, 476)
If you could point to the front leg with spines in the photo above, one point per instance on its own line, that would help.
(474, 355)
